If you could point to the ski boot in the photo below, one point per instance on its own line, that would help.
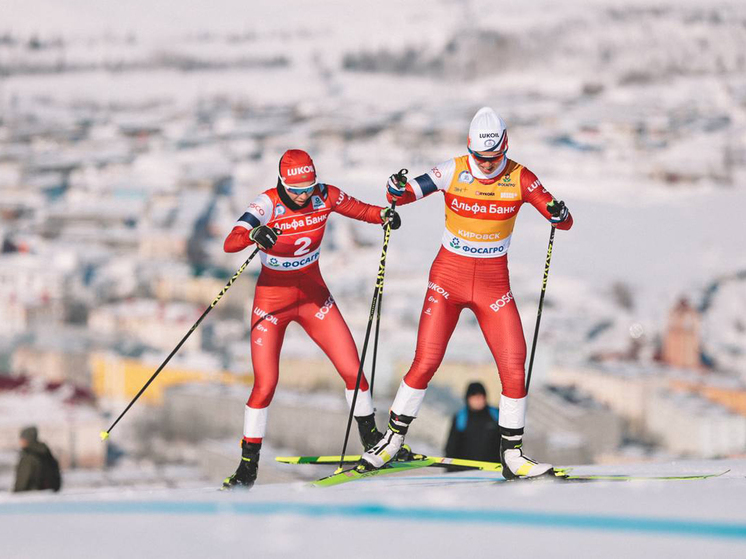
(369, 433)
(245, 475)
(515, 464)
(390, 445)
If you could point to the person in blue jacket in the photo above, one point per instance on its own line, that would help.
(475, 434)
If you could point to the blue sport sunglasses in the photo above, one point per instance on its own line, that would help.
(299, 191)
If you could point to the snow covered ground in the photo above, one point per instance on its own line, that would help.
(431, 514)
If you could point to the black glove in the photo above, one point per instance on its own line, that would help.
(264, 236)
(389, 215)
(558, 211)
(397, 184)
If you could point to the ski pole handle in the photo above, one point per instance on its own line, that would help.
(401, 178)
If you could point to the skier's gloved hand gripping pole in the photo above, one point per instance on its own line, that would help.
(559, 214)
(391, 221)
(260, 245)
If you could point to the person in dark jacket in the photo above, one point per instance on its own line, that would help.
(475, 434)
(37, 469)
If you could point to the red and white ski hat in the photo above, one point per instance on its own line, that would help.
(296, 166)
(487, 132)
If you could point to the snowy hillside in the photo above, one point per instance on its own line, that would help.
(634, 116)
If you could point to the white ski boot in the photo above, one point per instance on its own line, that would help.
(515, 464)
(389, 446)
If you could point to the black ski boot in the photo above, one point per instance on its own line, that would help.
(369, 433)
(245, 475)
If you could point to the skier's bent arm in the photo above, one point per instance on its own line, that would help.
(237, 240)
(353, 208)
(437, 178)
(535, 194)
(258, 213)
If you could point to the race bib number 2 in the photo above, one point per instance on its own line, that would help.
(304, 243)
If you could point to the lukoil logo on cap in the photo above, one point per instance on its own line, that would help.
(300, 170)
(296, 166)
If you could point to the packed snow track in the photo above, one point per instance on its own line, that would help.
(433, 514)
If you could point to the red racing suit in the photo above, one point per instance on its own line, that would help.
(290, 287)
(471, 268)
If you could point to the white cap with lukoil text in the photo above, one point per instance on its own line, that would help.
(487, 132)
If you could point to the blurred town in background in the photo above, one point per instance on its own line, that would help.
(127, 151)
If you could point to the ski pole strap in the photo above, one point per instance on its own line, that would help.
(401, 177)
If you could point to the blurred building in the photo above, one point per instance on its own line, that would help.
(731, 395)
(691, 425)
(63, 357)
(152, 323)
(164, 245)
(682, 339)
(120, 378)
(623, 387)
(201, 291)
(667, 407)
(31, 288)
(579, 429)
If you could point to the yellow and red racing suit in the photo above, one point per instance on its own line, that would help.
(471, 268)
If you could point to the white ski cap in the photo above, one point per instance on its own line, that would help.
(487, 132)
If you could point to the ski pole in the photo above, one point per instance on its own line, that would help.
(377, 294)
(541, 305)
(402, 179)
(375, 341)
(105, 434)
(386, 234)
